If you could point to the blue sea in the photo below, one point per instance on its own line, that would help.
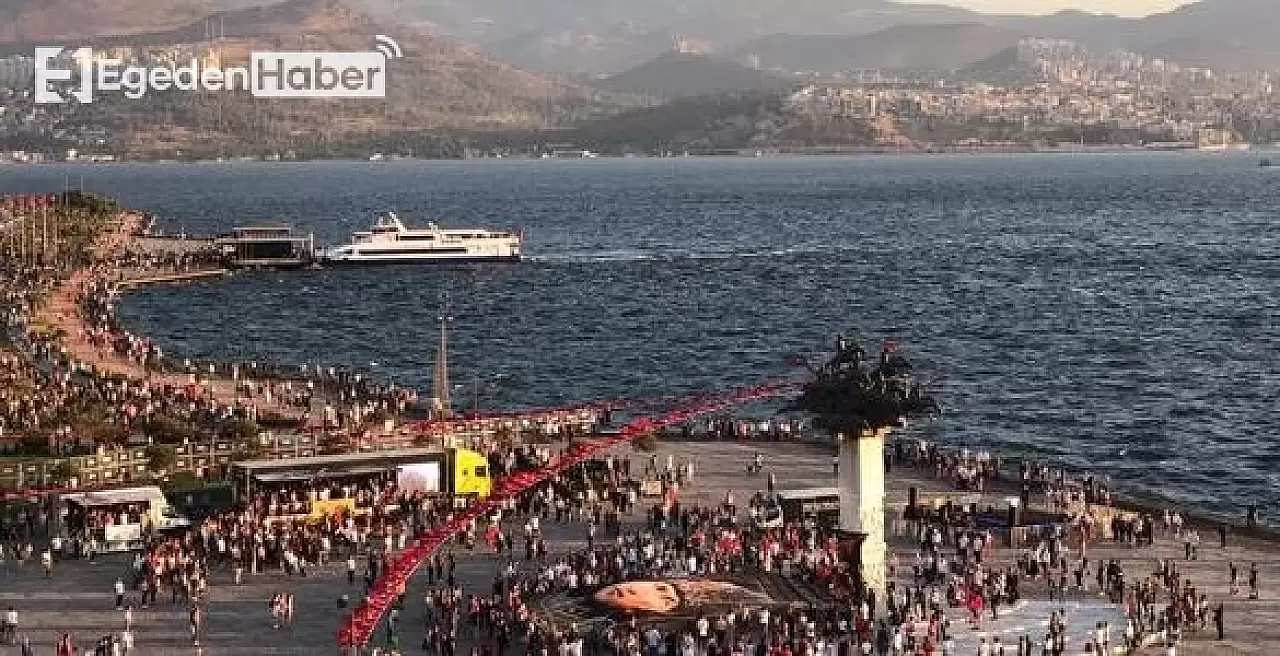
(1117, 313)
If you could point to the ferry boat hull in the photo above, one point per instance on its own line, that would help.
(419, 261)
(391, 242)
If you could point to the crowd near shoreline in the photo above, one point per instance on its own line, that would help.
(72, 369)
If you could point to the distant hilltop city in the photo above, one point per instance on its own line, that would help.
(910, 87)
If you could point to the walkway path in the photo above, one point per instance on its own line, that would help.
(60, 313)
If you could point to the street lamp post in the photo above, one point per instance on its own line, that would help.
(476, 388)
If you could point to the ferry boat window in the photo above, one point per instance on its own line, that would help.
(460, 250)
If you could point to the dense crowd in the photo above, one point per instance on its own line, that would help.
(665, 540)
(57, 402)
(953, 581)
(1159, 606)
(160, 262)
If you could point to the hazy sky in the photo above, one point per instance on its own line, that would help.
(1119, 7)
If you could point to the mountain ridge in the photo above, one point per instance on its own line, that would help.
(899, 48)
(679, 74)
(608, 36)
(437, 86)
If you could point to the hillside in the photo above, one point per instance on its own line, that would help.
(676, 74)
(1223, 34)
(70, 21)
(438, 86)
(902, 48)
(1004, 68)
(607, 36)
(705, 124)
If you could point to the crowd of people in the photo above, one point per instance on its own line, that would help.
(161, 261)
(659, 542)
(52, 402)
(1159, 606)
(45, 392)
(955, 580)
(728, 427)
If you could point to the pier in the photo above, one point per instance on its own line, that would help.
(266, 246)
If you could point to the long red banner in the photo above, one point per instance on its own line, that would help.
(364, 620)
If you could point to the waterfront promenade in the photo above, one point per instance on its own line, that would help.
(60, 313)
(78, 598)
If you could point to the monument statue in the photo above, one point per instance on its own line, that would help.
(859, 403)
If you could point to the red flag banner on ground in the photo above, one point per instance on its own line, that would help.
(364, 620)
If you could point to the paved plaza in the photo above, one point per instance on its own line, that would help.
(1030, 618)
(79, 599)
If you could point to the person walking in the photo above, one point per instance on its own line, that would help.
(194, 618)
(66, 646)
(1218, 619)
(277, 610)
(9, 628)
(118, 587)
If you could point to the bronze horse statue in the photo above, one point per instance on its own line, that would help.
(848, 394)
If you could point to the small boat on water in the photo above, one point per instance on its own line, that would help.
(1266, 163)
(389, 241)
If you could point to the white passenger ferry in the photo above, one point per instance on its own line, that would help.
(389, 241)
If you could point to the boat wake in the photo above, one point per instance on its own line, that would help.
(668, 256)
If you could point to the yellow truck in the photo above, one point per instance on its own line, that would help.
(454, 472)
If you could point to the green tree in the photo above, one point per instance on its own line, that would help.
(62, 472)
(167, 430)
(183, 481)
(242, 431)
(161, 458)
(250, 449)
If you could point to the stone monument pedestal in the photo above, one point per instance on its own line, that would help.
(862, 495)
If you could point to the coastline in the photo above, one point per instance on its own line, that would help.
(731, 154)
(223, 390)
(1122, 499)
(60, 313)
